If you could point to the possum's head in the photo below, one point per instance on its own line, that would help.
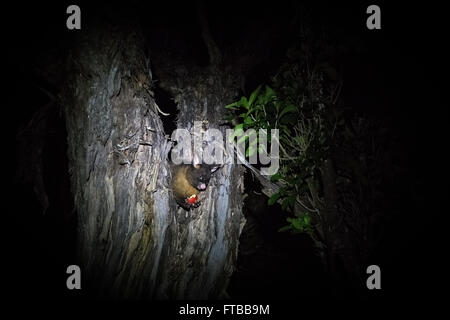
(200, 175)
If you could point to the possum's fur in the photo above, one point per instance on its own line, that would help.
(189, 180)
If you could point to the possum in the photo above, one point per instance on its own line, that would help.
(188, 181)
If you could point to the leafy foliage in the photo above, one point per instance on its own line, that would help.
(335, 163)
(298, 224)
(302, 102)
(300, 105)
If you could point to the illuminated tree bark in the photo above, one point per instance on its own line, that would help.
(133, 240)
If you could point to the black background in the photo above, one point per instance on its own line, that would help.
(400, 77)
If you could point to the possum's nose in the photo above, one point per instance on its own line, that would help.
(201, 186)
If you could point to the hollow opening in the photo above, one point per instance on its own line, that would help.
(167, 105)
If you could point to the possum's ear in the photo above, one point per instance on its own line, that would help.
(214, 168)
(196, 162)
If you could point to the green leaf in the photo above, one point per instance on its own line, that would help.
(297, 224)
(231, 106)
(285, 228)
(270, 93)
(254, 95)
(287, 202)
(243, 103)
(274, 198)
(248, 121)
(275, 177)
(307, 220)
(250, 151)
(242, 139)
(238, 131)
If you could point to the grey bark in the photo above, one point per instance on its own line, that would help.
(133, 240)
(201, 94)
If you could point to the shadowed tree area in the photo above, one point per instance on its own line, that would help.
(360, 120)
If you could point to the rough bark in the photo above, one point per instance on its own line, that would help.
(215, 226)
(133, 240)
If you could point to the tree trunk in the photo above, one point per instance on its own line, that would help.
(133, 240)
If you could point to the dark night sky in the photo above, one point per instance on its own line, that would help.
(397, 75)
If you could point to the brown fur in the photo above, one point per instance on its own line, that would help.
(186, 179)
(182, 188)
